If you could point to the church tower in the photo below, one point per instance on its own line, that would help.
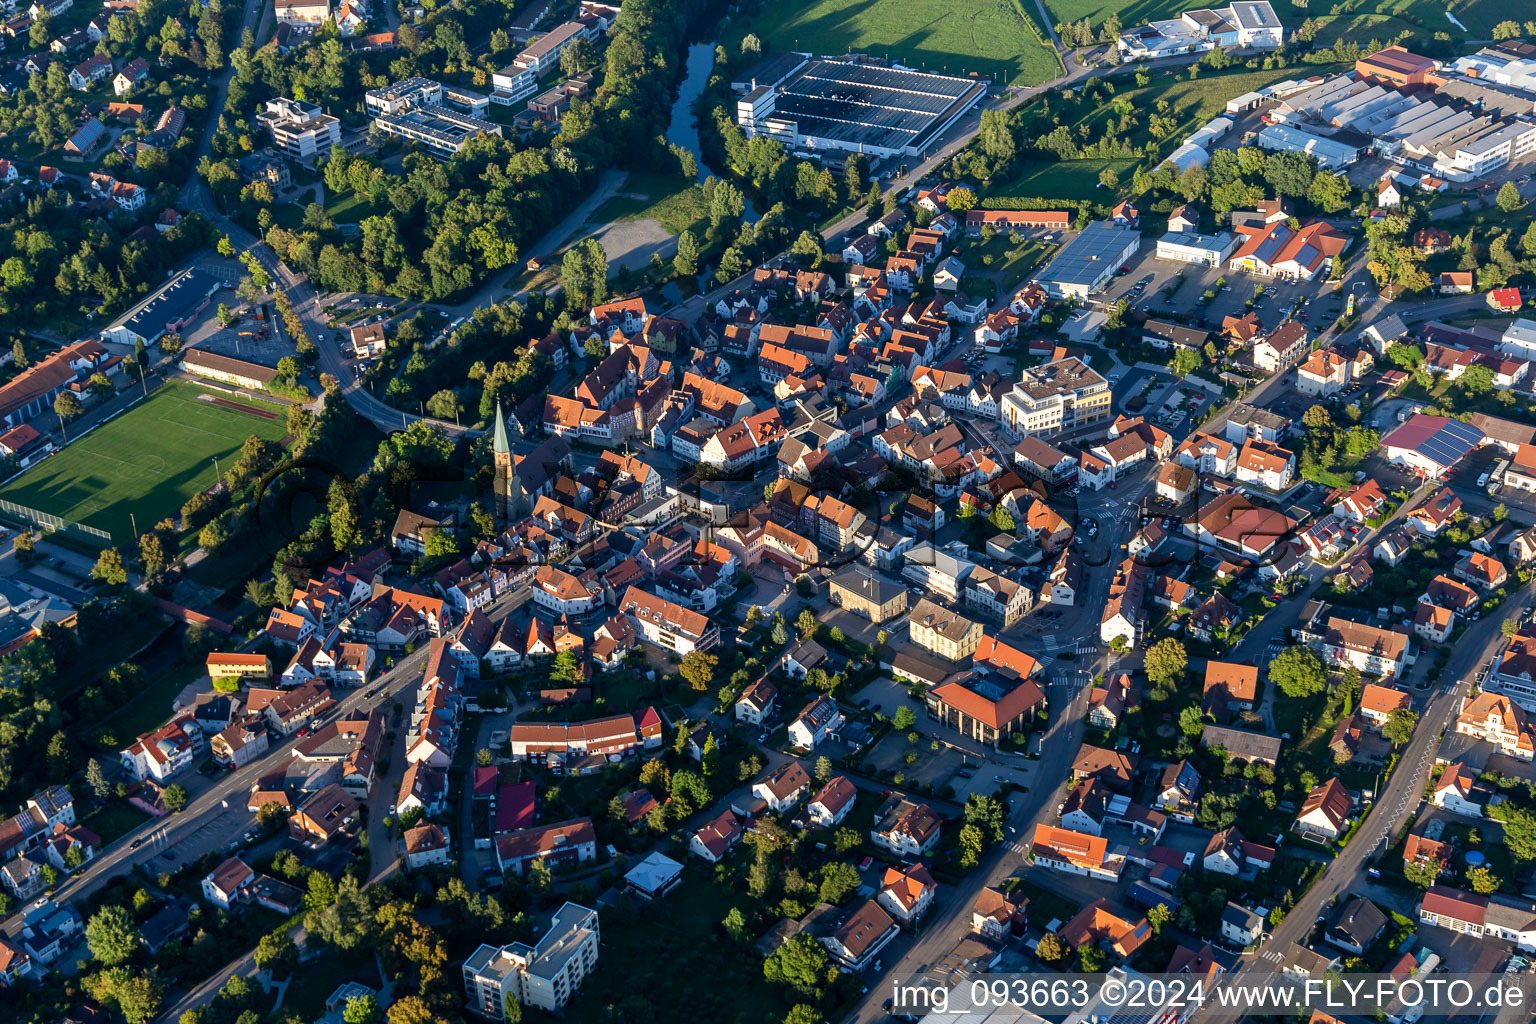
(501, 461)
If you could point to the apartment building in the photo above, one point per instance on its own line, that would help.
(868, 594)
(943, 631)
(301, 130)
(1054, 397)
(544, 974)
(664, 624)
(1370, 649)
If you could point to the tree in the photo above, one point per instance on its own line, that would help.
(363, 1009)
(66, 407)
(1329, 192)
(803, 1013)
(735, 925)
(1109, 179)
(1482, 880)
(347, 922)
(1166, 661)
(1509, 198)
(1158, 916)
(96, 779)
(686, 262)
(1051, 949)
(1422, 873)
(1399, 726)
(136, 994)
(341, 505)
(805, 623)
(1191, 721)
(839, 880)
(823, 768)
(903, 719)
(808, 247)
(1519, 831)
(801, 962)
(276, 953)
(971, 844)
(445, 405)
(109, 567)
(112, 935)
(152, 554)
(960, 200)
(698, 667)
(565, 669)
(1298, 672)
(1002, 518)
(1094, 959)
(1291, 174)
(175, 796)
(1476, 380)
(986, 813)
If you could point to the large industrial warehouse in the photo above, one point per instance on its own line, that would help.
(1088, 261)
(857, 107)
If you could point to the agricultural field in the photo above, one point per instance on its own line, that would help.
(148, 461)
(1135, 12)
(1351, 19)
(988, 37)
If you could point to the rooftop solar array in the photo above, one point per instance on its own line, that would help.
(871, 105)
(446, 126)
(1085, 258)
(1450, 443)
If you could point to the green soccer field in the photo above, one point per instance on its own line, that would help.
(148, 461)
(988, 37)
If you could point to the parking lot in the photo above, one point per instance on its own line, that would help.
(247, 338)
(1148, 277)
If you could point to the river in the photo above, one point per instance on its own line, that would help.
(683, 130)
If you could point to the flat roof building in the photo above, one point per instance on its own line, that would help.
(1086, 263)
(443, 131)
(302, 130)
(852, 106)
(169, 309)
(545, 974)
(1329, 152)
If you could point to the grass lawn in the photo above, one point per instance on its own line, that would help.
(152, 706)
(316, 979)
(988, 37)
(671, 200)
(147, 461)
(1191, 104)
(1001, 256)
(1044, 905)
(113, 819)
(348, 209)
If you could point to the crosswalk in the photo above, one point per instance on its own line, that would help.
(1274, 956)
(1018, 848)
(1087, 649)
(1070, 679)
